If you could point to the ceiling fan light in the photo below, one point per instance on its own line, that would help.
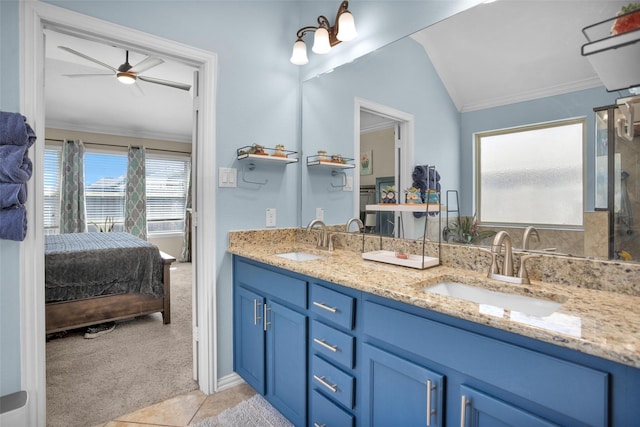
(346, 27)
(126, 78)
(321, 41)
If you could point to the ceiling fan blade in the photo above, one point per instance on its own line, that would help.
(176, 85)
(145, 64)
(88, 58)
(137, 90)
(87, 75)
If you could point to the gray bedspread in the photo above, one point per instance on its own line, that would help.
(85, 265)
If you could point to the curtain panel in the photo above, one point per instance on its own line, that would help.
(72, 198)
(135, 215)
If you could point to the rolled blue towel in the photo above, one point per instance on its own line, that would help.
(15, 166)
(12, 194)
(13, 223)
(419, 173)
(14, 130)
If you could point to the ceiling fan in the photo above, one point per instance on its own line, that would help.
(126, 73)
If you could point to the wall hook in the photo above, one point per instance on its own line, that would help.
(251, 167)
(344, 181)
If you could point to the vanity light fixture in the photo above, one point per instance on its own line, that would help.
(325, 36)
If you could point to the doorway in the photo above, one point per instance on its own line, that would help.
(36, 17)
(384, 136)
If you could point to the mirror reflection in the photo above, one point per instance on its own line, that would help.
(429, 94)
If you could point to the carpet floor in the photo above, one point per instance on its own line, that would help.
(141, 362)
(253, 412)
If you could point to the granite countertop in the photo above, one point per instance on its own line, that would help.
(595, 322)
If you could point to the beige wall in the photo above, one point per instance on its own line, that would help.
(381, 144)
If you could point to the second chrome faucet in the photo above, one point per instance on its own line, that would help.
(505, 273)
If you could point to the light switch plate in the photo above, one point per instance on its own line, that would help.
(320, 214)
(228, 177)
(271, 217)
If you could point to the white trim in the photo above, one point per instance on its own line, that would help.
(35, 16)
(407, 130)
(229, 381)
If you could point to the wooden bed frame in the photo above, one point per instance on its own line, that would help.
(66, 315)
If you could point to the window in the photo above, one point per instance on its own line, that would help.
(531, 175)
(105, 184)
(167, 186)
(51, 190)
(105, 179)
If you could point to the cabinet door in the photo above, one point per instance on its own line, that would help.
(399, 393)
(481, 410)
(287, 361)
(248, 336)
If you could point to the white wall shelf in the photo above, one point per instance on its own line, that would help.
(319, 161)
(407, 207)
(269, 155)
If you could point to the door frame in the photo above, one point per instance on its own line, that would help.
(404, 144)
(34, 18)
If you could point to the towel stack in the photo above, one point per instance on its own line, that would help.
(425, 178)
(16, 136)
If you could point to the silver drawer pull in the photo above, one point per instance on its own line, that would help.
(323, 381)
(463, 410)
(430, 412)
(319, 425)
(323, 343)
(325, 307)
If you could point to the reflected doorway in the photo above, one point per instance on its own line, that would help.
(385, 147)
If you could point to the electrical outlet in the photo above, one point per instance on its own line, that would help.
(348, 184)
(271, 217)
(320, 214)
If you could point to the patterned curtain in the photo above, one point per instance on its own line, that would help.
(135, 205)
(186, 241)
(72, 203)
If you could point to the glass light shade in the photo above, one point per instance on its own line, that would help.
(299, 54)
(321, 41)
(346, 27)
(126, 78)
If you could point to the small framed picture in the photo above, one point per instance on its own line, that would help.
(366, 163)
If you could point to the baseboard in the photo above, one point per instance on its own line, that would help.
(229, 381)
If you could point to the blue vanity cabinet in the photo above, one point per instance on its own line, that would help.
(478, 409)
(270, 336)
(399, 392)
(334, 376)
(501, 383)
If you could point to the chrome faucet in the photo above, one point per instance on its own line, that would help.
(323, 238)
(357, 221)
(529, 233)
(500, 239)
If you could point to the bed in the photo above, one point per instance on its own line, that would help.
(93, 278)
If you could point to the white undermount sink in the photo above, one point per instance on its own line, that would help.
(527, 305)
(299, 256)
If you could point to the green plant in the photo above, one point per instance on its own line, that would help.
(107, 227)
(467, 230)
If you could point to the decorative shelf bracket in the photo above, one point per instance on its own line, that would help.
(251, 167)
(344, 180)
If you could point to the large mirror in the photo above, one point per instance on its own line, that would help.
(422, 99)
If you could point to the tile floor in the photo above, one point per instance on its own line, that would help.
(184, 410)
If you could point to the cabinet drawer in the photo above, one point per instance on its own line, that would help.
(325, 413)
(278, 285)
(332, 344)
(332, 305)
(334, 382)
(568, 388)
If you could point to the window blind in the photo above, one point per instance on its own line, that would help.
(51, 189)
(167, 186)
